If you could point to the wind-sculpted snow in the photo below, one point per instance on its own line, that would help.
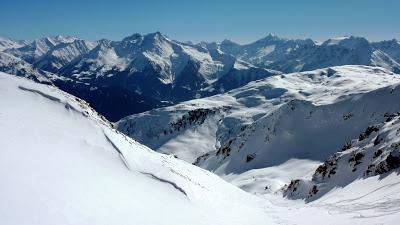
(62, 163)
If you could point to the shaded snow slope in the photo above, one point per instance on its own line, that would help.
(61, 163)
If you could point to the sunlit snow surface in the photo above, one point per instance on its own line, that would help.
(60, 163)
(241, 110)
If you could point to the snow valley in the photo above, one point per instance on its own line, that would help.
(278, 131)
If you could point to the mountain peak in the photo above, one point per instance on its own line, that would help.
(228, 42)
(133, 37)
(271, 36)
(59, 39)
(156, 35)
(345, 40)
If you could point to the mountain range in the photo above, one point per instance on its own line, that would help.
(289, 55)
(143, 72)
(150, 130)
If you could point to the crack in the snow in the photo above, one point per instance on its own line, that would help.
(145, 173)
(166, 181)
(119, 151)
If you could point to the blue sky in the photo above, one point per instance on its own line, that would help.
(241, 21)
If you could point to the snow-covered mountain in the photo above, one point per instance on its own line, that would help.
(176, 66)
(156, 68)
(267, 50)
(302, 55)
(62, 163)
(278, 122)
(316, 144)
(348, 51)
(7, 43)
(62, 54)
(49, 53)
(139, 73)
(142, 72)
(391, 47)
(245, 105)
(17, 66)
(32, 51)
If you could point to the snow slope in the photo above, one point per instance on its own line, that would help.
(287, 121)
(360, 180)
(62, 163)
(224, 116)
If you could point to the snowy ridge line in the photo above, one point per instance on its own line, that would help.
(52, 98)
